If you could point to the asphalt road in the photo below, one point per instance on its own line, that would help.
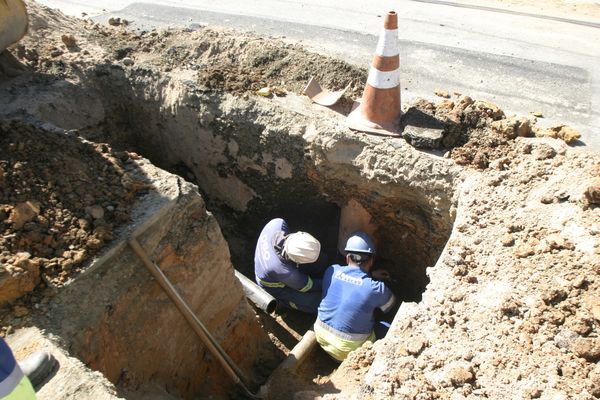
(524, 62)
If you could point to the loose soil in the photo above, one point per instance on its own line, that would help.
(62, 200)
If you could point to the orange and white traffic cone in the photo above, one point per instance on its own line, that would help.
(379, 109)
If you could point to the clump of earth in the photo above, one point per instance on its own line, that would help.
(61, 201)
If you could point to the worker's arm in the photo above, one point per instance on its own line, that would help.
(389, 304)
(296, 279)
(385, 298)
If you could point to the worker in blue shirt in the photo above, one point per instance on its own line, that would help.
(351, 295)
(14, 385)
(284, 265)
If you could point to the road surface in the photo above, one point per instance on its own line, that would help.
(523, 61)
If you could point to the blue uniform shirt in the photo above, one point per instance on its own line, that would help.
(350, 297)
(10, 373)
(271, 269)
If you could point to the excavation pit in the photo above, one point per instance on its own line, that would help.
(252, 159)
(497, 240)
(125, 322)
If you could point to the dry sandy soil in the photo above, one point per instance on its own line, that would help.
(513, 308)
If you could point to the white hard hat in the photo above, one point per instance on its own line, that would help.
(302, 248)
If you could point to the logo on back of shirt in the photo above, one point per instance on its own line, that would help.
(264, 248)
(347, 278)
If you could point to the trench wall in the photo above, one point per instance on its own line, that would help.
(260, 158)
(126, 326)
(255, 159)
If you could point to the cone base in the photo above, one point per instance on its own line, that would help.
(357, 122)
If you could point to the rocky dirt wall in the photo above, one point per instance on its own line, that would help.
(512, 307)
(104, 307)
(127, 327)
(258, 157)
(409, 195)
(252, 157)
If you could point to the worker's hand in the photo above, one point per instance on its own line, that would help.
(380, 275)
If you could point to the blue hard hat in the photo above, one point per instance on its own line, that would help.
(360, 242)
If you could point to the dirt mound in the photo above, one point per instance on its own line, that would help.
(61, 200)
(225, 60)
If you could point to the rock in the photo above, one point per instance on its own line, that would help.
(596, 312)
(544, 152)
(500, 164)
(415, 345)
(579, 282)
(459, 376)
(442, 93)
(524, 250)
(553, 296)
(557, 242)
(504, 127)
(508, 240)
(492, 110)
(423, 138)
(550, 132)
(23, 213)
(18, 278)
(69, 41)
(594, 383)
(446, 104)
(56, 53)
(547, 199)
(20, 311)
(582, 325)
(538, 114)
(95, 211)
(533, 392)
(464, 102)
(114, 21)
(565, 339)
(512, 127)
(422, 130)
(569, 134)
(588, 348)
(127, 61)
(564, 132)
(592, 193)
(523, 127)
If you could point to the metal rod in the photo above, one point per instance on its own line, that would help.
(216, 350)
(262, 299)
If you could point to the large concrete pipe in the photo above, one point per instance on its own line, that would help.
(262, 299)
(13, 22)
(354, 217)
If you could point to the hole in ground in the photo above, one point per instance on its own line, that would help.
(252, 172)
(253, 161)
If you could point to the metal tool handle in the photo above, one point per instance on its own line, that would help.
(216, 350)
